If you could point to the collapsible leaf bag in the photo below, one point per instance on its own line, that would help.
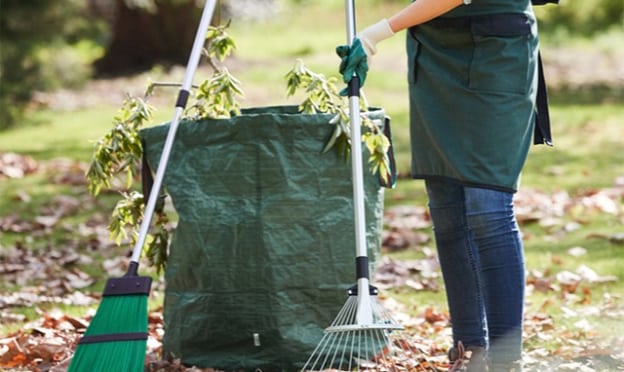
(262, 255)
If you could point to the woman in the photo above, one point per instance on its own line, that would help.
(473, 73)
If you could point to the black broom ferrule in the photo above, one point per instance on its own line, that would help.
(182, 98)
(133, 269)
(129, 284)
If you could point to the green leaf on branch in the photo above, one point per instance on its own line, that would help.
(220, 44)
(217, 97)
(126, 216)
(378, 145)
(119, 152)
(156, 250)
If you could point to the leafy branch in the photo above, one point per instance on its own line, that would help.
(218, 96)
(118, 154)
(120, 149)
(322, 96)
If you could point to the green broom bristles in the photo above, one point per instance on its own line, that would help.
(121, 319)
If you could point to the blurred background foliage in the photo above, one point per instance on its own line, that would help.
(41, 48)
(581, 18)
(63, 43)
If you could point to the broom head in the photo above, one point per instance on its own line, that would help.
(116, 339)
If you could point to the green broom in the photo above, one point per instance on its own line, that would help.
(116, 338)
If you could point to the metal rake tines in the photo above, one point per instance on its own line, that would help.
(378, 346)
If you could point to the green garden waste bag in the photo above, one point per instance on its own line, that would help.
(264, 250)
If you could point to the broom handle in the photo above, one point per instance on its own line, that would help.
(191, 67)
(364, 313)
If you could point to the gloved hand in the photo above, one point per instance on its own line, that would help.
(353, 62)
(354, 58)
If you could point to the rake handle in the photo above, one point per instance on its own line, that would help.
(364, 313)
(356, 143)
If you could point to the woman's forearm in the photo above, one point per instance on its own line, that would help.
(421, 11)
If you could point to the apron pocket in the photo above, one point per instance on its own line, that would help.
(503, 58)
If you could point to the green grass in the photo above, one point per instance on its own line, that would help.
(587, 153)
(62, 134)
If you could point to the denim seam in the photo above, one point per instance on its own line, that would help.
(480, 300)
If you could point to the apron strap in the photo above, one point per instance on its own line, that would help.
(393, 173)
(542, 133)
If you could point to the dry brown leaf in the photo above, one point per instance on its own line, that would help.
(577, 251)
(13, 165)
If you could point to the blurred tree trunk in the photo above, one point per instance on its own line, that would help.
(141, 38)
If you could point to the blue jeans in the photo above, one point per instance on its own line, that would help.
(482, 261)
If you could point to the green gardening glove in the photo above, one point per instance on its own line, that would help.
(353, 62)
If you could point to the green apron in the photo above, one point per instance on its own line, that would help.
(472, 84)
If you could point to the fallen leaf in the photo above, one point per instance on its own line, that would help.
(568, 278)
(590, 275)
(432, 316)
(577, 251)
(47, 221)
(14, 165)
(577, 367)
(583, 324)
(616, 238)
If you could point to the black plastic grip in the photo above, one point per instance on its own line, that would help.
(183, 96)
(361, 267)
(353, 88)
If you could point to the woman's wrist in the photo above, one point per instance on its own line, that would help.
(373, 34)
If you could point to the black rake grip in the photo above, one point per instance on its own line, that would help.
(353, 88)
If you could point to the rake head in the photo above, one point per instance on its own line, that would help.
(349, 344)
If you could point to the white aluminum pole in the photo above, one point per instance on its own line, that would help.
(364, 315)
(191, 67)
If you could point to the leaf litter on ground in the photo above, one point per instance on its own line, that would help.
(48, 278)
